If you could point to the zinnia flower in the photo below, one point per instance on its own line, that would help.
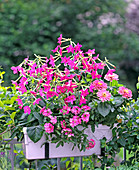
(104, 95)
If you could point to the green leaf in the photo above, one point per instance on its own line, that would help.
(118, 100)
(93, 128)
(35, 133)
(13, 115)
(122, 141)
(63, 159)
(67, 163)
(104, 109)
(38, 117)
(137, 85)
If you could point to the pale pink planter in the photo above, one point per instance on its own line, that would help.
(49, 150)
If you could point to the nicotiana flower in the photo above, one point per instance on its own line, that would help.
(27, 109)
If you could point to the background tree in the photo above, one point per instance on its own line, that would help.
(28, 27)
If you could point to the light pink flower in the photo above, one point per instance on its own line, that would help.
(76, 110)
(110, 77)
(49, 128)
(75, 121)
(86, 107)
(85, 117)
(104, 95)
(45, 112)
(27, 109)
(67, 131)
(53, 119)
(125, 92)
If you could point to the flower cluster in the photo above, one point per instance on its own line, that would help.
(69, 89)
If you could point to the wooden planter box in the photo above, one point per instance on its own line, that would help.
(49, 150)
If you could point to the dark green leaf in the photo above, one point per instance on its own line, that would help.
(35, 133)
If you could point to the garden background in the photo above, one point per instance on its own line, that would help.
(29, 27)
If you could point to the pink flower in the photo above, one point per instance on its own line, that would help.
(86, 107)
(20, 103)
(125, 92)
(68, 132)
(59, 39)
(98, 85)
(49, 128)
(70, 99)
(91, 144)
(70, 49)
(36, 101)
(45, 112)
(15, 69)
(27, 109)
(90, 52)
(53, 119)
(75, 121)
(77, 47)
(63, 124)
(52, 61)
(104, 95)
(82, 101)
(85, 117)
(65, 60)
(65, 110)
(110, 77)
(76, 110)
(84, 92)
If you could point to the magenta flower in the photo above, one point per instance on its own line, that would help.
(59, 39)
(125, 92)
(70, 49)
(84, 92)
(70, 99)
(27, 109)
(91, 144)
(36, 101)
(20, 103)
(65, 110)
(49, 128)
(82, 101)
(104, 95)
(63, 124)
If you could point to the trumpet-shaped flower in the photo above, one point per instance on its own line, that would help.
(27, 109)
